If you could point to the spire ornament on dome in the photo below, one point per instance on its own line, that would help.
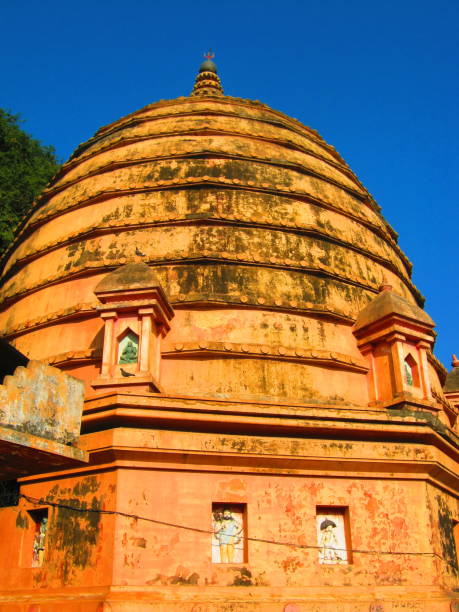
(207, 81)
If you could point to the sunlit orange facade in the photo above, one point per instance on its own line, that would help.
(264, 418)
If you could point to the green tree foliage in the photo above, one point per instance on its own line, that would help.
(26, 166)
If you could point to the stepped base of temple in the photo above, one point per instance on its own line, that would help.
(137, 528)
(232, 599)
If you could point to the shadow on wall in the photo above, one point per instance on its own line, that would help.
(10, 359)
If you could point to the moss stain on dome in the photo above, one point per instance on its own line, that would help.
(236, 207)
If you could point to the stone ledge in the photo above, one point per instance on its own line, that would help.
(251, 598)
(129, 384)
(257, 351)
(24, 454)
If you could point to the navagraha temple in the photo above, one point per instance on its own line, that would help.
(218, 386)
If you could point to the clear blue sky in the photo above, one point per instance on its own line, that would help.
(378, 80)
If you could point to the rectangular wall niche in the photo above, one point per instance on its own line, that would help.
(40, 527)
(333, 537)
(229, 528)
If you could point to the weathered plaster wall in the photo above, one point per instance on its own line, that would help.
(79, 546)
(268, 379)
(281, 509)
(173, 477)
(41, 400)
(443, 515)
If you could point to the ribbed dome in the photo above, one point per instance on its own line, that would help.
(244, 214)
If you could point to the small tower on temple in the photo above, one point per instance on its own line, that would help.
(136, 315)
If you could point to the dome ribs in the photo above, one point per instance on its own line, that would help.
(38, 215)
(333, 158)
(288, 166)
(265, 242)
(126, 225)
(286, 123)
(100, 197)
(129, 140)
(61, 359)
(221, 172)
(199, 219)
(174, 187)
(84, 311)
(90, 266)
(205, 131)
(228, 350)
(214, 108)
(180, 132)
(207, 155)
(63, 315)
(260, 351)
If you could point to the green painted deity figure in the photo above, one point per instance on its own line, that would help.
(408, 374)
(129, 354)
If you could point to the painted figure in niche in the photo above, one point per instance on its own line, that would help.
(39, 543)
(228, 533)
(129, 355)
(408, 374)
(329, 551)
(129, 349)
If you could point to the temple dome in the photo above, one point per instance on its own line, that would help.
(264, 240)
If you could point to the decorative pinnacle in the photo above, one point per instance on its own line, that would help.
(207, 82)
(455, 362)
